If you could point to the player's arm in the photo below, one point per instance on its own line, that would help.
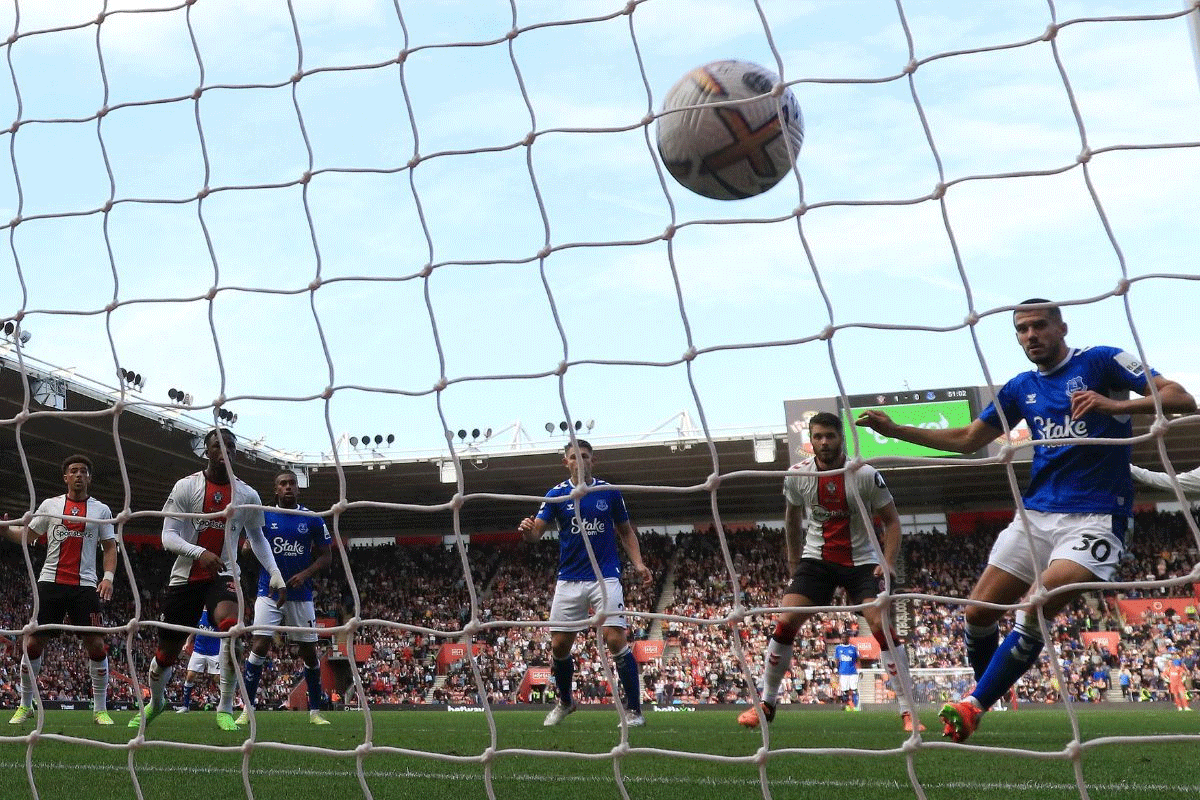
(793, 535)
(891, 536)
(109, 559)
(262, 551)
(173, 530)
(963, 439)
(320, 564)
(17, 534)
(532, 528)
(1175, 400)
(629, 540)
(1188, 481)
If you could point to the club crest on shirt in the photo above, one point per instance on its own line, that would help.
(1076, 384)
(602, 505)
(831, 487)
(218, 496)
(74, 511)
(302, 527)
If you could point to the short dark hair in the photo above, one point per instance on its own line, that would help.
(826, 419)
(284, 471)
(77, 458)
(581, 442)
(224, 431)
(1054, 311)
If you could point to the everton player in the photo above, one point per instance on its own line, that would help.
(204, 659)
(68, 589)
(600, 514)
(301, 545)
(1078, 501)
(202, 577)
(836, 550)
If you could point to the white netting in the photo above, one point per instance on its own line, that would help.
(323, 214)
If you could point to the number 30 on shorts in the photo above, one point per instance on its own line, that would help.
(1100, 549)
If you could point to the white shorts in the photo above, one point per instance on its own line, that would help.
(848, 683)
(202, 664)
(1086, 539)
(574, 601)
(297, 613)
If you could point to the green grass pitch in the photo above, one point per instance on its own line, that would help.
(437, 754)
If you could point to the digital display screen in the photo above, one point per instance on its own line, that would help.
(926, 408)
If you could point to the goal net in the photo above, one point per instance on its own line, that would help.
(371, 234)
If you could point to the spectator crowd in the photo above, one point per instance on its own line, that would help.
(404, 603)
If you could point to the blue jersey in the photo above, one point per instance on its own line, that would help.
(847, 658)
(206, 645)
(294, 538)
(1075, 479)
(600, 511)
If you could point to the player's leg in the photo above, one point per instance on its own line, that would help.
(189, 683)
(266, 612)
(813, 584)
(893, 655)
(224, 612)
(568, 615)
(34, 645)
(1010, 554)
(181, 606)
(84, 609)
(614, 631)
(97, 653)
(302, 614)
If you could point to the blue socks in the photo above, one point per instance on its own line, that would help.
(981, 646)
(251, 674)
(627, 672)
(1016, 654)
(564, 673)
(312, 677)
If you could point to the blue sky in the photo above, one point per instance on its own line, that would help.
(233, 274)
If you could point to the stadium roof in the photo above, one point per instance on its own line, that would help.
(669, 480)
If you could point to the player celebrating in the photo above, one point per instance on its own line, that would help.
(202, 575)
(602, 516)
(294, 538)
(1078, 501)
(837, 551)
(846, 656)
(67, 587)
(204, 659)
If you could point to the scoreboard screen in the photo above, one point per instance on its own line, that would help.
(926, 408)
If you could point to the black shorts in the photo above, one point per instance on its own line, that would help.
(818, 580)
(182, 605)
(57, 603)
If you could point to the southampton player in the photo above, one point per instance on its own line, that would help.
(294, 539)
(202, 576)
(1078, 501)
(846, 656)
(1188, 481)
(837, 550)
(604, 518)
(204, 659)
(67, 587)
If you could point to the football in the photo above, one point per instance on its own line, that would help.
(722, 133)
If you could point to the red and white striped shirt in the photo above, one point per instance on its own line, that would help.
(836, 531)
(70, 542)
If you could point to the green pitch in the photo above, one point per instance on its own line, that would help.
(580, 765)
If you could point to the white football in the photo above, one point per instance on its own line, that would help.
(729, 150)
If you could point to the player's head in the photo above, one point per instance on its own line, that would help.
(1041, 332)
(577, 457)
(286, 488)
(827, 438)
(212, 447)
(77, 473)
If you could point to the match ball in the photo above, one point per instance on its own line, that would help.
(723, 149)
